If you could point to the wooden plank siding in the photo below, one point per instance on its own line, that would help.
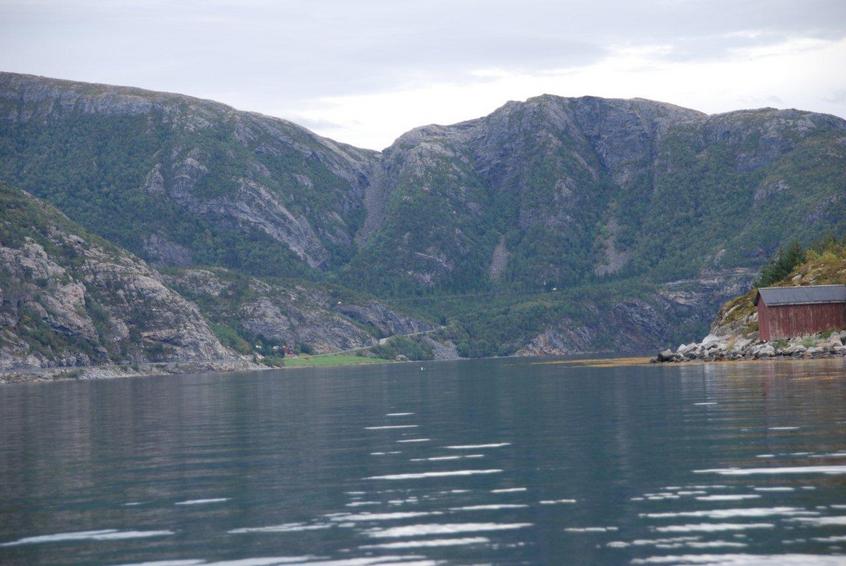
(786, 321)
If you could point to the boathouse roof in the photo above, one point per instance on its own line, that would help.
(809, 294)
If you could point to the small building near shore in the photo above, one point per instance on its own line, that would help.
(785, 312)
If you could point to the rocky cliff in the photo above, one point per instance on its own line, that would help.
(72, 303)
(550, 193)
(284, 315)
(69, 299)
(178, 180)
(560, 191)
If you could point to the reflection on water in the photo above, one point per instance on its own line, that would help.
(493, 461)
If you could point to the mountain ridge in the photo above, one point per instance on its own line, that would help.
(544, 194)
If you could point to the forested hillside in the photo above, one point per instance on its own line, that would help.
(552, 225)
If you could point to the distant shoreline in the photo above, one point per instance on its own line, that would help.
(93, 373)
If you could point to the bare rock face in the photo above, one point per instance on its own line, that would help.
(237, 173)
(291, 315)
(550, 192)
(71, 299)
(162, 251)
(639, 325)
(385, 321)
(564, 338)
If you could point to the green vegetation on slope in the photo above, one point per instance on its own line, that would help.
(603, 200)
(822, 263)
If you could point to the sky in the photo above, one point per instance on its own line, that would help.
(365, 71)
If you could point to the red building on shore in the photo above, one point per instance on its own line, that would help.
(785, 312)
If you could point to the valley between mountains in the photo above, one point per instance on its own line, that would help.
(143, 228)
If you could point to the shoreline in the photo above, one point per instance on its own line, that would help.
(96, 373)
(733, 347)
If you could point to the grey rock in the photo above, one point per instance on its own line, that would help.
(101, 304)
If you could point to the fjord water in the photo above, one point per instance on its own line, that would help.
(500, 461)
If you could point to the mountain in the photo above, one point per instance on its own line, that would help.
(556, 191)
(553, 225)
(69, 298)
(71, 301)
(182, 181)
(305, 317)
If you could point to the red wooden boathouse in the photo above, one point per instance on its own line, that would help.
(784, 312)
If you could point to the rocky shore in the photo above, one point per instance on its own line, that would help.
(730, 347)
(111, 371)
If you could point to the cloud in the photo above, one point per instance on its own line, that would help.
(796, 73)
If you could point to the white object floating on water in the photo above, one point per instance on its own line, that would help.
(105, 534)
(590, 529)
(738, 497)
(556, 501)
(414, 440)
(390, 427)
(784, 428)
(706, 403)
(508, 490)
(712, 527)
(283, 528)
(399, 414)
(775, 489)
(730, 513)
(477, 446)
(433, 474)
(830, 470)
(202, 501)
(443, 528)
(431, 543)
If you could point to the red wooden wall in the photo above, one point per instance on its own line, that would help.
(786, 321)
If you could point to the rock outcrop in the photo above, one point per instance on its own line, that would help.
(548, 193)
(68, 299)
(291, 316)
(634, 325)
(734, 333)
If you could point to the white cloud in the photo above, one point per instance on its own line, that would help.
(796, 73)
(363, 72)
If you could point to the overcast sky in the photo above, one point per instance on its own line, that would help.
(365, 71)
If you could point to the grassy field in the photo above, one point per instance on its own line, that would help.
(331, 360)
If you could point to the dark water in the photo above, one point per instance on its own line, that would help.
(470, 462)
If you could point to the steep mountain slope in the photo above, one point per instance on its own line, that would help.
(557, 191)
(274, 314)
(181, 181)
(551, 193)
(70, 298)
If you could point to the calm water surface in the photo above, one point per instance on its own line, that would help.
(470, 462)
